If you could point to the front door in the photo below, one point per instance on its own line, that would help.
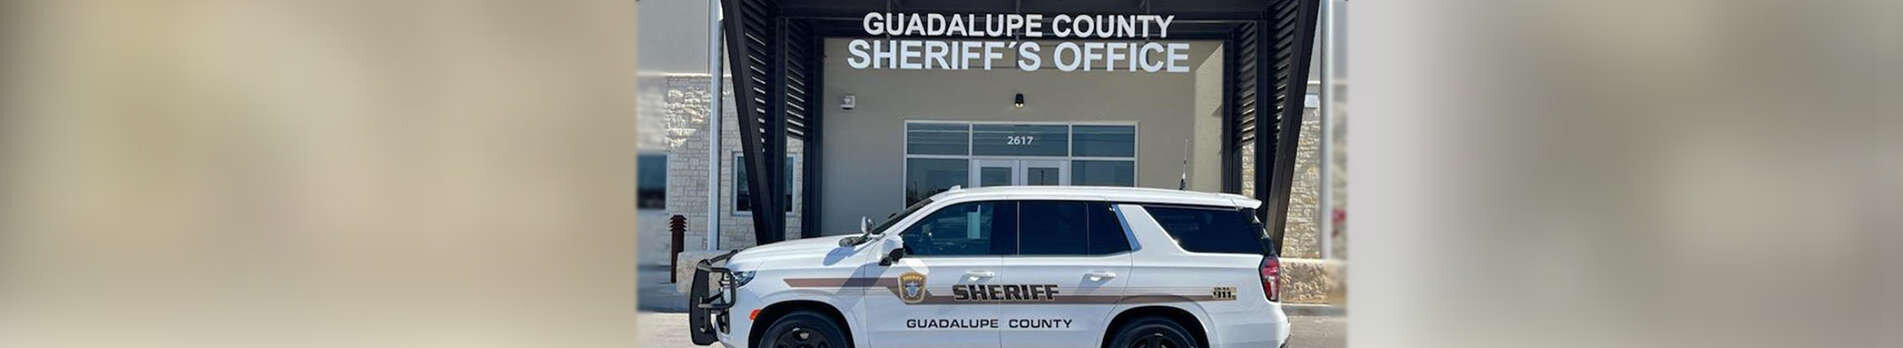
(1019, 172)
(950, 251)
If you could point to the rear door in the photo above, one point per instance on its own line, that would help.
(1072, 266)
(955, 247)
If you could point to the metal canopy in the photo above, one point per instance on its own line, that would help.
(1183, 9)
(773, 47)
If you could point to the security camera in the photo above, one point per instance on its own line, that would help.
(848, 102)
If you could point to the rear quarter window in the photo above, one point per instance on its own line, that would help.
(1212, 230)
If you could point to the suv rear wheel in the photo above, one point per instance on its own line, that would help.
(1153, 332)
(804, 329)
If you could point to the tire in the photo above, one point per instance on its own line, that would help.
(804, 329)
(1153, 332)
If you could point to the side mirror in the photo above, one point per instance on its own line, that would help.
(865, 225)
(891, 257)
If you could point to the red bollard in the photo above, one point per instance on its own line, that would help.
(676, 225)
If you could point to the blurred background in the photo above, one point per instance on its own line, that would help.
(1626, 174)
(208, 173)
(464, 174)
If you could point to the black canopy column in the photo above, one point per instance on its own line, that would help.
(775, 63)
(749, 32)
(1289, 38)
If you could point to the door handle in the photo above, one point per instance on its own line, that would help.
(1098, 276)
(980, 274)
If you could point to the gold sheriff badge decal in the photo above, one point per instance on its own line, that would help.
(912, 287)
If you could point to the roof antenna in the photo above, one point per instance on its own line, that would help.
(1183, 182)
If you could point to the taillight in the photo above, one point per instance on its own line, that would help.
(1271, 278)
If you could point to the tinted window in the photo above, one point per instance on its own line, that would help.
(1103, 173)
(651, 188)
(937, 139)
(1069, 228)
(1053, 228)
(1103, 141)
(925, 177)
(1106, 230)
(981, 228)
(894, 218)
(1212, 230)
(743, 194)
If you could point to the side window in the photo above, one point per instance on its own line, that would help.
(1212, 230)
(1106, 230)
(1070, 228)
(1054, 228)
(969, 229)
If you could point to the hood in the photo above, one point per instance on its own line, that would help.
(807, 252)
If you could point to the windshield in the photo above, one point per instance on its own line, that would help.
(895, 217)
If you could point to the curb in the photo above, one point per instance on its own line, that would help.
(1313, 310)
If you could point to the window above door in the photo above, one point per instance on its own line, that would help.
(942, 154)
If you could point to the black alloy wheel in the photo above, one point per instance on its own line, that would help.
(804, 329)
(1153, 332)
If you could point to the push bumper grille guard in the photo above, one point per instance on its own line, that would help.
(708, 312)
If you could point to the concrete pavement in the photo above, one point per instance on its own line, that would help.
(655, 293)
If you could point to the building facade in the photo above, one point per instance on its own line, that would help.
(906, 134)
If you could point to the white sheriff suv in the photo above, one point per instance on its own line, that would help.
(1021, 266)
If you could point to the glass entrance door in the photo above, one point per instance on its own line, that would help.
(994, 173)
(1044, 172)
(1005, 172)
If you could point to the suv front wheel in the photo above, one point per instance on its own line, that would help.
(804, 329)
(1153, 332)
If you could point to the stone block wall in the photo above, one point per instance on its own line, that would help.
(1306, 278)
(686, 118)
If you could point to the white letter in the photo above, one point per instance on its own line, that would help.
(1083, 30)
(966, 53)
(1033, 24)
(874, 17)
(956, 27)
(994, 25)
(1163, 25)
(1111, 55)
(884, 58)
(1075, 57)
(1027, 56)
(1147, 59)
(1146, 24)
(991, 52)
(935, 50)
(1179, 57)
(1126, 26)
(971, 26)
(1057, 25)
(1106, 26)
(909, 49)
(1013, 23)
(859, 58)
(934, 24)
(1093, 51)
